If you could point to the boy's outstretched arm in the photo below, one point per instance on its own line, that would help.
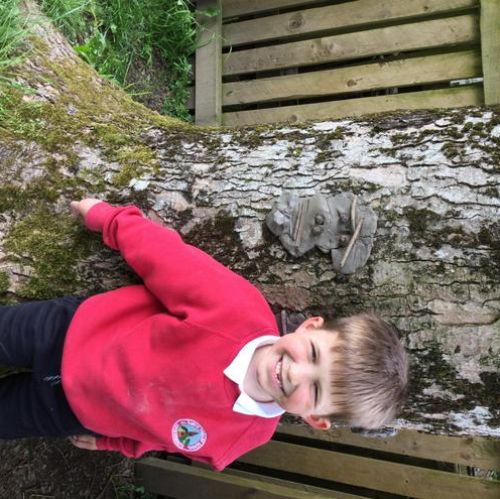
(184, 278)
(81, 208)
(127, 446)
(87, 442)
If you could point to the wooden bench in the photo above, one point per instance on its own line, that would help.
(264, 61)
(306, 464)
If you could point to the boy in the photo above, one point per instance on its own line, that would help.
(190, 361)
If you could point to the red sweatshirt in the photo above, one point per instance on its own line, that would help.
(143, 365)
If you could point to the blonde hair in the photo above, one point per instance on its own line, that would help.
(369, 372)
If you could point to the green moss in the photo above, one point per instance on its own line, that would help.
(217, 235)
(134, 161)
(450, 150)
(51, 245)
(398, 138)
(337, 134)
(492, 191)
(431, 368)
(390, 215)
(455, 132)
(4, 282)
(46, 189)
(295, 151)
(107, 120)
(489, 235)
(420, 221)
(490, 361)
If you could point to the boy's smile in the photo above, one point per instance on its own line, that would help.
(295, 372)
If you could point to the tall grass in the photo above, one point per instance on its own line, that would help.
(113, 35)
(71, 17)
(12, 32)
(13, 29)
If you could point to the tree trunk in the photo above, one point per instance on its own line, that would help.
(432, 177)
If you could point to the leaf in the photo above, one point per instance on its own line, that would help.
(209, 12)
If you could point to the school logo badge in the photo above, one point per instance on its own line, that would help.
(188, 435)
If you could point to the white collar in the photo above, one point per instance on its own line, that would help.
(236, 372)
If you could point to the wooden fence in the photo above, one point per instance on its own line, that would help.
(303, 463)
(264, 61)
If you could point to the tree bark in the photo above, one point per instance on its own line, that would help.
(432, 177)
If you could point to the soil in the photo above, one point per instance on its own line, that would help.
(149, 84)
(55, 469)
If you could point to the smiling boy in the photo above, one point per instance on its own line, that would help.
(353, 369)
(190, 361)
(295, 373)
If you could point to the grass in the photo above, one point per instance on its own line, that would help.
(12, 32)
(115, 36)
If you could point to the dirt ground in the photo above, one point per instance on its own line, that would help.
(54, 469)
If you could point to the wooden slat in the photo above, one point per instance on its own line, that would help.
(374, 76)
(190, 101)
(233, 8)
(453, 97)
(490, 44)
(415, 36)
(181, 481)
(208, 81)
(385, 476)
(349, 15)
(478, 452)
(314, 491)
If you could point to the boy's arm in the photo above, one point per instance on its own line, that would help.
(133, 448)
(181, 276)
(126, 446)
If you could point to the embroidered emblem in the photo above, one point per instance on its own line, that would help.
(188, 435)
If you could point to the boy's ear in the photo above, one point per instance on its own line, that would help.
(318, 422)
(312, 323)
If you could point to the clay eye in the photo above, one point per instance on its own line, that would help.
(319, 219)
(343, 240)
(316, 230)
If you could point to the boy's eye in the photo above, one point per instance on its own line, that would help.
(314, 355)
(316, 394)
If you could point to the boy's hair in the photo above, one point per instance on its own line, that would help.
(369, 372)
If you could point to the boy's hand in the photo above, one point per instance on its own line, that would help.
(81, 208)
(87, 442)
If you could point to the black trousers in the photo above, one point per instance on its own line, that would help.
(33, 403)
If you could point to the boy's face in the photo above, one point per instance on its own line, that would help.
(295, 372)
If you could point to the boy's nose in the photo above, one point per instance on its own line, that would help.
(297, 373)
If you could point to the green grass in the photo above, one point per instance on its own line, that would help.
(12, 32)
(116, 35)
(71, 17)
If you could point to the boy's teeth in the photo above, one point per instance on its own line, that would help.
(278, 373)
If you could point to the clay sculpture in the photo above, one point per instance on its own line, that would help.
(343, 225)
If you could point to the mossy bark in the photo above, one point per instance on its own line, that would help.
(431, 176)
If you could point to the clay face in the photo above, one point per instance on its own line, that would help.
(343, 225)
